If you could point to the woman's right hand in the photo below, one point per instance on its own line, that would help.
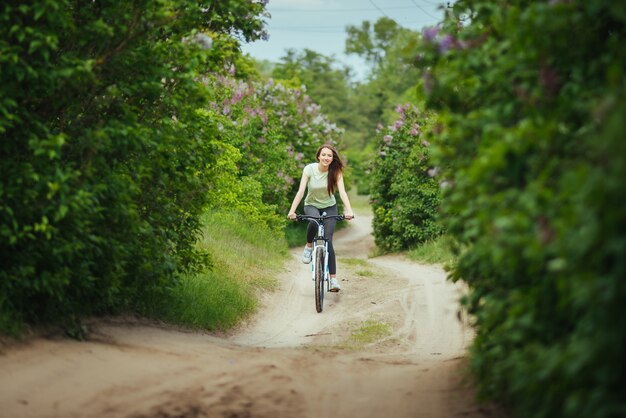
(292, 216)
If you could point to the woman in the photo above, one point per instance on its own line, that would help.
(321, 180)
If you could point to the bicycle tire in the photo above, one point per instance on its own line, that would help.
(319, 280)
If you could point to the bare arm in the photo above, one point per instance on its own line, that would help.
(344, 198)
(296, 200)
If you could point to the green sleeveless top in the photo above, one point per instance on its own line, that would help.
(317, 195)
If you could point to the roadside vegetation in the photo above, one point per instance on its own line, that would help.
(245, 259)
(361, 267)
(439, 250)
(148, 166)
(369, 332)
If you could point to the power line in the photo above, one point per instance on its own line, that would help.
(434, 3)
(332, 29)
(375, 9)
(337, 10)
(422, 9)
(379, 9)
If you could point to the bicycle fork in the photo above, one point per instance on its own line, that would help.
(324, 248)
(320, 247)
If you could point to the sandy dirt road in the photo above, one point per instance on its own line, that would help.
(287, 361)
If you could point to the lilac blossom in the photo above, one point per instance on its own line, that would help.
(445, 43)
(430, 33)
(236, 97)
(263, 116)
(387, 139)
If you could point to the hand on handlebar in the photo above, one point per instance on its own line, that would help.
(292, 216)
(349, 216)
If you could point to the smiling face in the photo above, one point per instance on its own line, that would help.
(325, 158)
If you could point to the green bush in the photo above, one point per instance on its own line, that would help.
(276, 127)
(106, 163)
(405, 198)
(532, 97)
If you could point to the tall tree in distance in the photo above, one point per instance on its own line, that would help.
(388, 48)
(371, 41)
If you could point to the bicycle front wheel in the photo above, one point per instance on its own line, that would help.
(319, 280)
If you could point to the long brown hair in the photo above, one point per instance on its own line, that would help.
(334, 170)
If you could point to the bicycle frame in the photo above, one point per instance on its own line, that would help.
(320, 257)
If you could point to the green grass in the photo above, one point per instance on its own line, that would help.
(361, 267)
(437, 251)
(369, 332)
(245, 257)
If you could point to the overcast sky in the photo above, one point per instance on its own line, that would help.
(320, 25)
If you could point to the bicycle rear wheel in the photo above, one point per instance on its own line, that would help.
(319, 280)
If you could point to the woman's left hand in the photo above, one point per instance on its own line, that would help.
(349, 215)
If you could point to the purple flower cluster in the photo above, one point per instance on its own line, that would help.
(269, 123)
(444, 41)
(430, 33)
(404, 127)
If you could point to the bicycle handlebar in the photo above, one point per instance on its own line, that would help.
(320, 218)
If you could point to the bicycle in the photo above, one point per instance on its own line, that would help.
(319, 266)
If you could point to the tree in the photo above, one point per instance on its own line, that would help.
(103, 153)
(372, 41)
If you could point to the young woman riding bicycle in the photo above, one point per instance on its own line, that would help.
(321, 180)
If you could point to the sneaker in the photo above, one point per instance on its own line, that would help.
(334, 285)
(307, 254)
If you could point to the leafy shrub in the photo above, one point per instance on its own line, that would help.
(532, 96)
(105, 159)
(405, 198)
(278, 128)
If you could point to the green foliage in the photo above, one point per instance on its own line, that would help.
(371, 41)
(106, 163)
(277, 128)
(325, 83)
(390, 51)
(436, 251)
(245, 256)
(532, 97)
(405, 198)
